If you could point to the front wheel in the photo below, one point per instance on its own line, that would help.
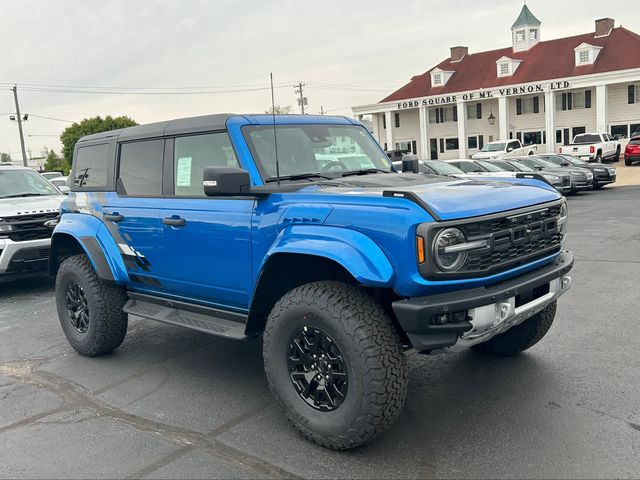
(521, 337)
(89, 309)
(334, 362)
(616, 158)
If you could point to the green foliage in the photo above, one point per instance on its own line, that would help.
(88, 126)
(279, 110)
(5, 157)
(56, 162)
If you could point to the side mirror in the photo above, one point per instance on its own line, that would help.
(226, 181)
(410, 165)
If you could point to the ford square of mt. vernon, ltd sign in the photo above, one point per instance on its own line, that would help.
(483, 94)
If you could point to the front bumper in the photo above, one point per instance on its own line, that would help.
(23, 258)
(476, 315)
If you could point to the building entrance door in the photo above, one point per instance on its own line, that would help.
(433, 144)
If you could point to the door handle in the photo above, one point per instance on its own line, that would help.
(116, 217)
(174, 221)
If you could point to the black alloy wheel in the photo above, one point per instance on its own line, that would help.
(77, 307)
(317, 369)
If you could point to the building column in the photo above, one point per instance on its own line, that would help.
(423, 146)
(462, 131)
(601, 108)
(549, 120)
(375, 126)
(389, 120)
(503, 118)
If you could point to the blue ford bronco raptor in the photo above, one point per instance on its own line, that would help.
(298, 230)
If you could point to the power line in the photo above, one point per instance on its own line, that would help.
(51, 118)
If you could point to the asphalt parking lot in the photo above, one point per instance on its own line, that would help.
(177, 404)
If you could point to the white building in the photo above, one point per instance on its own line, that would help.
(542, 92)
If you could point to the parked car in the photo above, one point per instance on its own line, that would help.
(338, 271)
(29, 211)
(602, 174)
(504, 149)
(632, 152)
(581, 179)
(561, 181)
(593, 147)
(61, 184)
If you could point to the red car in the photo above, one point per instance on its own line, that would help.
(632, 152)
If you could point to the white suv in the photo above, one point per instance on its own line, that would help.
(29, 211)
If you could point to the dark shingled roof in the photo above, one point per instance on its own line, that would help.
(553, 59)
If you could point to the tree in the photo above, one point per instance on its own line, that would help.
(56, 162)
(5, 157)
(279, 110)
(88, 126)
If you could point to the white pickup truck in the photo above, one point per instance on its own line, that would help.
(593, 147)
(500, 150)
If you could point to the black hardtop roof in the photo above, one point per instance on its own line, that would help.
(178, 126)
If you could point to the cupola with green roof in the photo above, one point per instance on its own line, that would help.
(525, 30)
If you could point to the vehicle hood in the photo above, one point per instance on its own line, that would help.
(30, 205)
(486, 155)
(448, 198)
(579, 170)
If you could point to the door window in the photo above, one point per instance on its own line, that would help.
(195, 153)
(140, 167)
(90, 168)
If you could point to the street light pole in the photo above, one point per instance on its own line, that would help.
(19, 118)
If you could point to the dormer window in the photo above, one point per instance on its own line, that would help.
(520, 36)
(440, 77)
(586, 54)
(507, 66)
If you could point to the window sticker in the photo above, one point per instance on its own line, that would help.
(183, 174)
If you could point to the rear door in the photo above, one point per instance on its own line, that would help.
(206, 241)
(132, 215)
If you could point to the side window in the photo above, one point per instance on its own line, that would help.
(514, 145)
(196, 152)
(140, 167)
(90, 167)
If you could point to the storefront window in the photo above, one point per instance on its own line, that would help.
(620, 131)
(452, 144)
(472, 143)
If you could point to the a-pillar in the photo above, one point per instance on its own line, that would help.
(423, 147)
(503, 118)
(601, 108)
(549, 120)
(462, 134)
(388, 120)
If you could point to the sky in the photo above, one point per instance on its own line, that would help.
(346, 52)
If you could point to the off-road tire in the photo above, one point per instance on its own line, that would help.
(371, 348)
(520, 337)
(107, 324)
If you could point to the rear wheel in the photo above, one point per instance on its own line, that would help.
(520, 337)
(617, 156)
(89, 309)
(333, 361)
(627, 162)
(598, 157)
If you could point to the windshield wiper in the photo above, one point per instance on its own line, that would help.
(365, 171)
(16, 195)
(300, 176)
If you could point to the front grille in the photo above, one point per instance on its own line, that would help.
(29, 227)
(513, 239)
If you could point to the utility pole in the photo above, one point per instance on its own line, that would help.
(302, 101)
(321, 110)
(19, 118)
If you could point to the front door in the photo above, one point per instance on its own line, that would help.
(206, 241)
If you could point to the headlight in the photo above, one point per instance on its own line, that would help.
(564, 219)
(589, 176)
(5, 228)
(447, 256)
(551, 178)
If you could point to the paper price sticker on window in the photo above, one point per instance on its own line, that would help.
(183, 172)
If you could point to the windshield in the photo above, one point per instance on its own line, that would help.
(557, 161)
(24, 183)
(443, 168)
(324, 151)
(521, 167)
(489, 167)
(574, 160)
(494, 147)
(587, 138)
